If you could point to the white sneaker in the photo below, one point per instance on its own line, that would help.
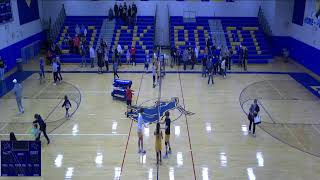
(254, 135)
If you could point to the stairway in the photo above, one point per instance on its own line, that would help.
(106, 32)
(217, 33)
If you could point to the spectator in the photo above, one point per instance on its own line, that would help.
(134, 13)
(82, 29)
(240, 53)
(253, 111)
(120, 11)
(77, 29)
(133, 55)
(76, 42)
(85, 32)
(147, 62)
(115, 69)
(129, 16)
(17, 89)
(116, 10)
(55, 71)
(128, 56)
(92, 56)
(57, 50)
(193, 58)
(185, 59)
(83, 55)
(59, 68)
(100, 60)
(197, 50)
(124, 12)
(110, 14)
(245, 58)
(223, 67)
(119, 50)
(41, 71)
(2, 68)
(173, 53)
(210, 72)
(106, 60)
(204, 67)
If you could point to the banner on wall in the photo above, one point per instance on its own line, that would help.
(28, 10)
(312, 13)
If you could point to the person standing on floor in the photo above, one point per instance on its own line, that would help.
(133, 55)
(128, 57)
(204, 67)
(253, 112)
(17, 89)
(196, 51)
(210, 72)
(106, 59)
(245, 58)
(67, 105)
(115, 70)
(185, 59)
(55, 71)
(116, 10)
(167, 122)
(223, 67)
(92, 56)
(100, 60)
(129, 94)
(83, 55)
(2, 68)
(140, 126)
(59, 69)
(43, 126)
(154, 75)
(119, 52)
(146, 62)
(41, 71)
(158, 146)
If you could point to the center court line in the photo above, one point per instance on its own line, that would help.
(110, 134)
(125, 151)
(190, 146)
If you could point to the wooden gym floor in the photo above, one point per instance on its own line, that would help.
(99, 142)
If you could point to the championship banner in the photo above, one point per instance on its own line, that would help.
(28, 11)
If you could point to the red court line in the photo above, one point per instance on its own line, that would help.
(125, 151)
(190, 146)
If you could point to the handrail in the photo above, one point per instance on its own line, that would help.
(155, 27)
(55, 28)
(169, 26)
(264, 22)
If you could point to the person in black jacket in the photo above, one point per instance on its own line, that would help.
(134, 13)
(245, 58)
(43, 126)
(253, 112)
(116, 10)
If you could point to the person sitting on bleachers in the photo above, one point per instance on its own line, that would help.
(110, 14)
(85, 32)
(77, 29)
(116, 10)
(82, 30)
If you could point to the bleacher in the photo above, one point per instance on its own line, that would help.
(93, 25)
(141, 36)
(247, 31)
(183, 33)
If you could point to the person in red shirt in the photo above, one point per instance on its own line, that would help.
(133, 55)
(76, 42)
(129, 93)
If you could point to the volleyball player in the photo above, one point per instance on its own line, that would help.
(167, 123)
(158, 147)
(140, 126)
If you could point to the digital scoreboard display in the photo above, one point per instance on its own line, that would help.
(20, 158)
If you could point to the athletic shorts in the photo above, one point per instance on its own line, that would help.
(129, 102)
(140, 135)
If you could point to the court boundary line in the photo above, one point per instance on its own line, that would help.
(129, 134)
(190, 146)
(284, 142)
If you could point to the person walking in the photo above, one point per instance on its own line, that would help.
(2, 68)
(43, 126)
(158, 145)
(140, 127)
(92, 56)
(119, 54)
(67, 105)
(17, 89)
(204, 67)
(253, 112)
(154, 73)
(35, 131)
(129, 94)
(133, 55)
(223, 68)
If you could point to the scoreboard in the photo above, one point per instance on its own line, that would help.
(20, 158)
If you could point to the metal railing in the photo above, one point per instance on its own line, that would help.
(155, 26)
(170, 38)
(264, 22)
(54, 29)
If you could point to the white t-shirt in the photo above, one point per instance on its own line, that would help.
(223, 64)
(140, 123)
(119, 49)
(92, 53)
